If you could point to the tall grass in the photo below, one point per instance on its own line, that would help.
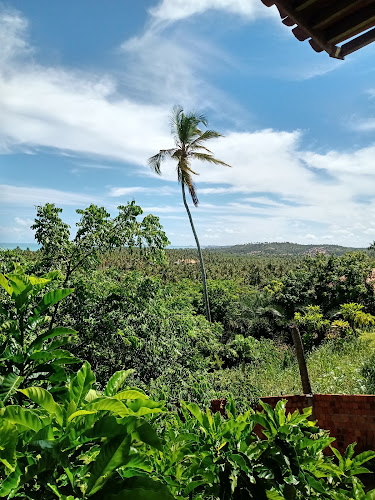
(335, 367)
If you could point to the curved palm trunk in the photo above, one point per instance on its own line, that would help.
(205, 294)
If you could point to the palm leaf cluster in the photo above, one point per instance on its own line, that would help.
(189, 145)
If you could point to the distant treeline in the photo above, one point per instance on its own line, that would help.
(285, 248)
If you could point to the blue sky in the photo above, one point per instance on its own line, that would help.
(86, 90)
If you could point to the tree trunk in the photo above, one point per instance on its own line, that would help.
(205, 294)
(306, 386)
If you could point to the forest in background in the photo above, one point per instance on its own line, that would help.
(284, 248)
(131, 312)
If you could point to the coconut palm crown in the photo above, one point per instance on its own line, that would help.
(189, 140)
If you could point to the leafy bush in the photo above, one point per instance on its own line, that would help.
(74, 448)
(209, 457)
(132, 321)
(325, 281)
(353, 313)
(312, 324)
(339, 329)
(29, 349)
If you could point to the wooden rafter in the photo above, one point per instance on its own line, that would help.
(327, 23)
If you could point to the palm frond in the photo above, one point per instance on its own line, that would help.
(155, 161)
(174, 120)
(191, 150)
(200, 118)
(205, 136)
(208, 158)
(188, 169)
(185, 127)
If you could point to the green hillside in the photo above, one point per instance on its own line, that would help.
(285, 248)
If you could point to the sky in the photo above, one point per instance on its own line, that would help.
(86, 91)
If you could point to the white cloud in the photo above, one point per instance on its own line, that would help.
(13, 36)
(175, 10)
(121, 191)
(69, 110)
(28, 196)
(23, 221)
(357, 162)
(126, 191)
(85, 113)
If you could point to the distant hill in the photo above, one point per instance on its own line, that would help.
(285, 248)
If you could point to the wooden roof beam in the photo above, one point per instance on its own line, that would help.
(309, 33)
(304, 4)
(358, 43)
(351, 25)
(335, 10)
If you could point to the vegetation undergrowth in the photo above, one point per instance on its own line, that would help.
(62, 437)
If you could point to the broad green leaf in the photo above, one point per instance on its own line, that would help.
(113, 454)
(71, 407)
(23, 417)
(142, 407)
(5, 284)
(79, 413)
(274, 495)
(9, 386)
(264, 421)
(108, 404)
(240, 461)
(58, 330)
(194, 410)
(117, 380)
(81, 383)
(108, 427)
(53, 275)
(130, 394)
(44, 399)
(147, 434)
(363, 457)
(142, 488)
(280, 412)
(8, 442)
(51, 298)
(349, 452)
(339, 456)
(39, 281)
(10, 483)
(315, 484)
(49, 355)
(92, 395)
(19, 284)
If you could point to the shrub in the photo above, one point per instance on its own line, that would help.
(312, 324)
(353, 313)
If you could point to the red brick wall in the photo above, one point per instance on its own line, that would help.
(348, 418)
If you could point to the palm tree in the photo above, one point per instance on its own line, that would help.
(189, 140)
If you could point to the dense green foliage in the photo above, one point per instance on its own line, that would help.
(148, 316)
(77, 442)
(136, 320)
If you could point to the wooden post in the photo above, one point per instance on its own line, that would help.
(306, 386)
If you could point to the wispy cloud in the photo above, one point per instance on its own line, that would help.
(126, 191)
(29, 196)
(176, 10)
(96, 115)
